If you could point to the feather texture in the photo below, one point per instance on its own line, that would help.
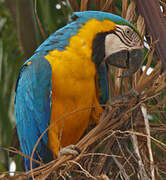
(32, 107)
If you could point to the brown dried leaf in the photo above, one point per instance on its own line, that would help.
(130, 14)
(84, 5)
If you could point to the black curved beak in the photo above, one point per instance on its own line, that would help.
(131, 60)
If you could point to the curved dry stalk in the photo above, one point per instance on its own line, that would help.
(147, 127)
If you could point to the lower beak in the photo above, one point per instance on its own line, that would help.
(130, 60)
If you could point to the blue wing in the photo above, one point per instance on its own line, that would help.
(32, 107)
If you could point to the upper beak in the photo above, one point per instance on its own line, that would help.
(130, 59)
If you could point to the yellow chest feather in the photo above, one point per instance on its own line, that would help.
(73, 88)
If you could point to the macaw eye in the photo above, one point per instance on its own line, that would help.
(129, 33)
(132, 35)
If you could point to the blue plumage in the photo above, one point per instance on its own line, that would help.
(32, 107)
(103, 83)
(33, 92)
(87, 15)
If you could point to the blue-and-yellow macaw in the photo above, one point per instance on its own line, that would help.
(68, 73)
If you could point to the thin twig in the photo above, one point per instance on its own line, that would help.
(142, 173)
(147, 128)
(38, 21)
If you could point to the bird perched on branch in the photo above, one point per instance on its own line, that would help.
(60, 88)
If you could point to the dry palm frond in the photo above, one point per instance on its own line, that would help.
(124, 144)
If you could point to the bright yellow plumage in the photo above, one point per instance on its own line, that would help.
(73, 86)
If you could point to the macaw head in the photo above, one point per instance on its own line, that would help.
(117, 42)
(121, 47)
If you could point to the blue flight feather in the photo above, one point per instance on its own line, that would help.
(32, 107)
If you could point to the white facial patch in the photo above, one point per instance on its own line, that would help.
(124, 38)
(113, 44)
